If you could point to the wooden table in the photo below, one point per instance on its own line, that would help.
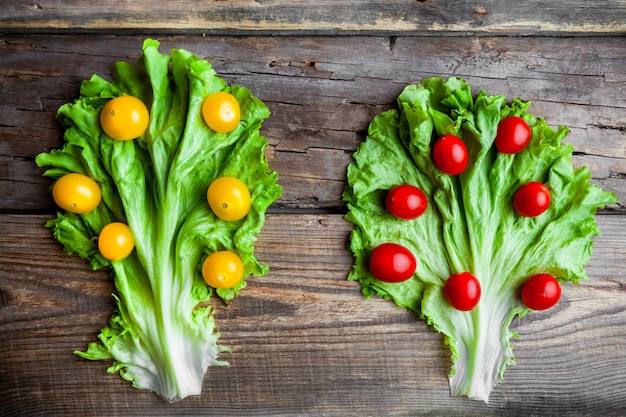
(304, 340)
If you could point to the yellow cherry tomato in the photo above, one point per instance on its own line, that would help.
(229, 198)
(124, 118)
(76, 193)
(115, 241)
(222, 269)
(221, 111)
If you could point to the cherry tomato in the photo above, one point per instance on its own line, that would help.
(541, 292)
(124, 118)
(450, 154)
(531, 199)
(513, 136)
(115, 241)
(221, 111)
(229, 198)
(390, 262)
(222, 269)
(406, 202)
(76, 193)
(462, 291)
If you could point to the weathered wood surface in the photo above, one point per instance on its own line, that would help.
(322, 16)
(304, 340)
(323, 91)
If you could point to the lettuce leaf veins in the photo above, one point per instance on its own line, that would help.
(470, 224)
(162, 336)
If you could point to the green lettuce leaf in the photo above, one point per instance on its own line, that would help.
(162, 336)
(470, 224)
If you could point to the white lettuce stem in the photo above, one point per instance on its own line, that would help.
(482, 353)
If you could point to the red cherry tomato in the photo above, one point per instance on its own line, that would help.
(391, 262)
(541, 292)
(462, 291)
(450, 154)
(531, 199)
(406, 202)
(513, 136)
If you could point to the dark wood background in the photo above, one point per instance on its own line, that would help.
(304, 340)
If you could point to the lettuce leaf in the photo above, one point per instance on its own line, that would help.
(162, 336)
(470, 224)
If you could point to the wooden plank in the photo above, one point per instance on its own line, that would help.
(323, 91)
(327, 16)
(304, 340)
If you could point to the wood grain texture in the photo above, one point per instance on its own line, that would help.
(322, 16)
(304, 340)
(323, 92)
